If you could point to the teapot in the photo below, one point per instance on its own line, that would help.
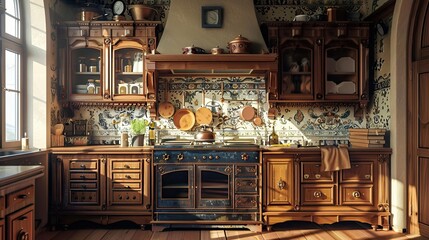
(205, 134)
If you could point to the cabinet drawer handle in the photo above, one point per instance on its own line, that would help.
(356, 194)
(127, 176)
(23, 235)
(317, 194)
(22, 196)
(126, 166)
(367, 176)
(281, 184)
(317, 176)
(22, 218)
(83, 166)
(306, 176)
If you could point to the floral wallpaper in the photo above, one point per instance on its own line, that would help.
(312, 123)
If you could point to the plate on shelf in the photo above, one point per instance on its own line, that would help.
(331, 87)
(346, 88)
(345, 65)
(330, 65)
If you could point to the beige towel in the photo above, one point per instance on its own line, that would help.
(334, 158)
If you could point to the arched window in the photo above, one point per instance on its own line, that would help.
(12, 51)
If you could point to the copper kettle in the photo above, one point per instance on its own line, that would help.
(205, 134)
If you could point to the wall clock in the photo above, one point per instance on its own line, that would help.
(118, 7)
(211, 16)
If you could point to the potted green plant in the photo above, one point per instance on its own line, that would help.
(138, 129)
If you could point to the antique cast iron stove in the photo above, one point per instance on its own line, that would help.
(208, 185)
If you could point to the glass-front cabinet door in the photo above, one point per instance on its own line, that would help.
(128, 71)
(86, 72)
(214, 186)
(342, 70)
(174, 186)
(297, 70)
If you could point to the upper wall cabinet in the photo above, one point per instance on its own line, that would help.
(103, 61)
(320, 62)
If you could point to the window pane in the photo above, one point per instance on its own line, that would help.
(12, 18)
(12, 116)
(12, 96)
(12, 70)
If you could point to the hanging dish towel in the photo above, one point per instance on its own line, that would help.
(334, 158)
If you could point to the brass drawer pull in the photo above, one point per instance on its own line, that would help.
(317, 194)
(356, 194)
(127, 176)
(317, 176)
(83, 166)
(281, 184)
(367, 176)
(306, 176)
(126, 166)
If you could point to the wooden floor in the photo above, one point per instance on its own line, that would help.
(286, 231)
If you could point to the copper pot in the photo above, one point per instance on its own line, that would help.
(240, 44)
(88, 14)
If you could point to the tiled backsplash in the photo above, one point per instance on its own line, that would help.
(310, 123)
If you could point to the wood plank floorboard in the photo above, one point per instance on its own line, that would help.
(283, 231)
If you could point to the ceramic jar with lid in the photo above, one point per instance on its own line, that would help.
(239, 44)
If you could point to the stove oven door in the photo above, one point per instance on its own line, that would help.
(214, 186)
(174, 186)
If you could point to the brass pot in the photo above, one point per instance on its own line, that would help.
(239, 44)
(142, 12)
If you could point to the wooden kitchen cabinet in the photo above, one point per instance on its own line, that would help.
(104, 61)
(320, 62)
(103, 188)
(296, 189)
(17, 201)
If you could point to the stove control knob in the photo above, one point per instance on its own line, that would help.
(204, 157)
(165, 157)
(244, 156)
(217, 157)
(210, 157)
(180, 157)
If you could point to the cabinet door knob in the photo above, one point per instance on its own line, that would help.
(22, 196)
(281, 184)
(356, 194)
(317, 194)
(317, 176)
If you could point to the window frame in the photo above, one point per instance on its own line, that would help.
(16, 45)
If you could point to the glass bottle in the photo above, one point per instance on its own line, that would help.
(152, 135)
(273, 138)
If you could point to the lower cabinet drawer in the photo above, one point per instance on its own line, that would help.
(246, 201)
(357, 195)
(126, 185)
(84, 197)
(246, 171)
(126, 197)
(125, 176)
(83, 176)
(21, 224)
(246, 185)
(317, 195)
(83, 185)
(20, 198)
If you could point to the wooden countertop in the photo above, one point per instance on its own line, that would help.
(101, 149)
(117, 149)
(13, 174)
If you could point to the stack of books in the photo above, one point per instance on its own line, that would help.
(367, 137)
